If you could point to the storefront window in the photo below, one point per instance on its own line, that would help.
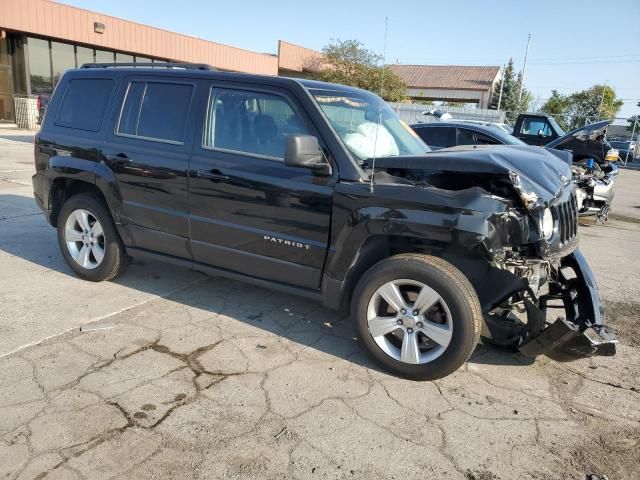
(63, 57)
(39, 66)
(143, 59)
(103, 56)
(18, 65)
(84, 55)
(6, 88)
(124, 58)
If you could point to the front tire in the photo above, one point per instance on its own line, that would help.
(417, 316)
(88, 239)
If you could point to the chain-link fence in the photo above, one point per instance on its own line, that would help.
(416, 113)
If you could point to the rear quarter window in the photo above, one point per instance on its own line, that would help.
(84, 104)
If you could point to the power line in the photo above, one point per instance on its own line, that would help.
(586, 58)
(595, 60)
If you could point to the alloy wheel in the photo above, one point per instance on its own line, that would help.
(409, 321)
(84, 238)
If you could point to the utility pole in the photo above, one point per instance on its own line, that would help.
(633, 131)
(524, 68)
(501, 88)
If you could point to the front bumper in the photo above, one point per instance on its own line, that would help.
(582, 333)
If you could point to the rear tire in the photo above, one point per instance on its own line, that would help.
(441, 326)
(88, 239)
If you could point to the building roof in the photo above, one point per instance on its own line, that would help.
(446, 76)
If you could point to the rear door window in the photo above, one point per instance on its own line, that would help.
(156, 111)
(438, 137)
(84, 103)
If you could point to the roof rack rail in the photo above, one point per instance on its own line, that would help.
(186, 66)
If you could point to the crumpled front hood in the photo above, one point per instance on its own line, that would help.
(587, 133)
(533, 171)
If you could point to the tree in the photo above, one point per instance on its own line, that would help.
(349, 63)
(586, 106)
(556, 105)
(512, 102)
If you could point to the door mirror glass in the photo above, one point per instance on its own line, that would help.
(304, 151)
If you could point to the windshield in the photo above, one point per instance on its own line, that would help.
(620, 145)
(354, 116)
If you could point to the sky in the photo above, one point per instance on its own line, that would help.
(574, 43)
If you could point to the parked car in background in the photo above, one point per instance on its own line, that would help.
(320, 190)
(455, 132)
(627, 150)
(537, 129)
(594, 179)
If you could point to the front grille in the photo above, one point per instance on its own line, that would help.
(566, 214)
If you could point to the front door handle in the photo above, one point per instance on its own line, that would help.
(118, 159)
(211, 175)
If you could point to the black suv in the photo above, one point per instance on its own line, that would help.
(319, 190)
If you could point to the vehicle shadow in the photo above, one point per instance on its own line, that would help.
(28, 236)
(18, 138)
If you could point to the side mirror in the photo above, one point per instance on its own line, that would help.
(304, 151)
(541, 133)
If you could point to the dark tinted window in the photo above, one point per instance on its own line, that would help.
(84, 103)
(156, 111)
(250, 122)
(131, 110)
(439, 137)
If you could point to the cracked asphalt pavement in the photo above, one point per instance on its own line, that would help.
(165, 373)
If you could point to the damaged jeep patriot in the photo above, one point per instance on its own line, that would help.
(320, 190)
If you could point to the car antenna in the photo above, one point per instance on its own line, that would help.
(379, 119)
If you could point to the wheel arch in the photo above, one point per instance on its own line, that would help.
(63, 188)
(70, 179)
(492, 285)
(337, 292)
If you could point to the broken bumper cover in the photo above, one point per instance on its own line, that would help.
(566, 340)
(563, 341)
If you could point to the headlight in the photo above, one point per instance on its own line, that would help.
(547, 224)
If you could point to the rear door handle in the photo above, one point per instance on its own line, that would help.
(118, 159)
(211, 175)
